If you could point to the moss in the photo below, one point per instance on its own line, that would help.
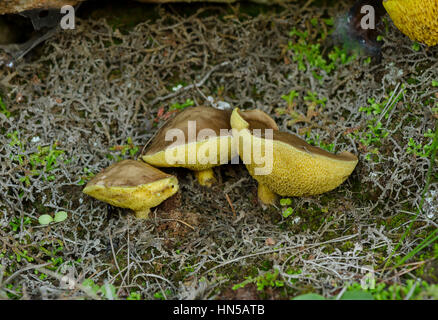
(347, 246)
(266, 265)
(395, 221)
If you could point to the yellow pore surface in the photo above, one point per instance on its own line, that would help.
(295, 172)
(195, 155)
(418, 19)
(137, 198)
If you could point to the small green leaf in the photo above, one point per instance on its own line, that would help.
(109, 291)
(134, 296)
(357, 295)
(45, 219)
(329, 21)
(416, 46)
(3, 109)
(288, 212)
(309, 296)
(90, 285)
(285, 202)
(60, 216)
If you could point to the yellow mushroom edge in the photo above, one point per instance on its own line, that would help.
(200, 154)
(297, 168)
(418, 19)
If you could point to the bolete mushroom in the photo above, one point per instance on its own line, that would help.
(418, 19)
(132, 184)
(197, 138)
(284, 164)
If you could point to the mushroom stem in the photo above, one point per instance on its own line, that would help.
(205, 177)
(266, 195)
(142, 214)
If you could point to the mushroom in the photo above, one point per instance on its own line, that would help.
(203, 141)
(284, 164)
(418, 19)
(132, 184)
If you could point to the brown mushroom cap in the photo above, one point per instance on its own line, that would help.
(257, 119)
(205, 118)
(132, 184)
(128, 173)
(253, 119)
(302, 145)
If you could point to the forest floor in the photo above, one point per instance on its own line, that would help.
(94, 95)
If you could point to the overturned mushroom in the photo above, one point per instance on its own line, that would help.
(197, 138)
(284, 164)
(134, 185)
(418, 19)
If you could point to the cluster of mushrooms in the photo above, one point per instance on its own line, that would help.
(297, 168)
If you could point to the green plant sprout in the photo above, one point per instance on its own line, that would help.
(375, 109)
(317, 142)
(267, 279)
(45, 219)
(178, 106)
(15, 140)
(375, 133)
(309, 55)
(3, 109)
(419, 149)
(19, 255)
(162, 296)
(44, 161)
(16, 223)
(286, 202)
(84, 178)
(134, 295)
(289, 98)
(313, 98)
(375, 130)
(416, 46)
(291, 104)
(128, 149)
(106, 291)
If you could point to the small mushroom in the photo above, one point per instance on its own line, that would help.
(132, 184)
(285, 164)
(197, 138)
(418, 19)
